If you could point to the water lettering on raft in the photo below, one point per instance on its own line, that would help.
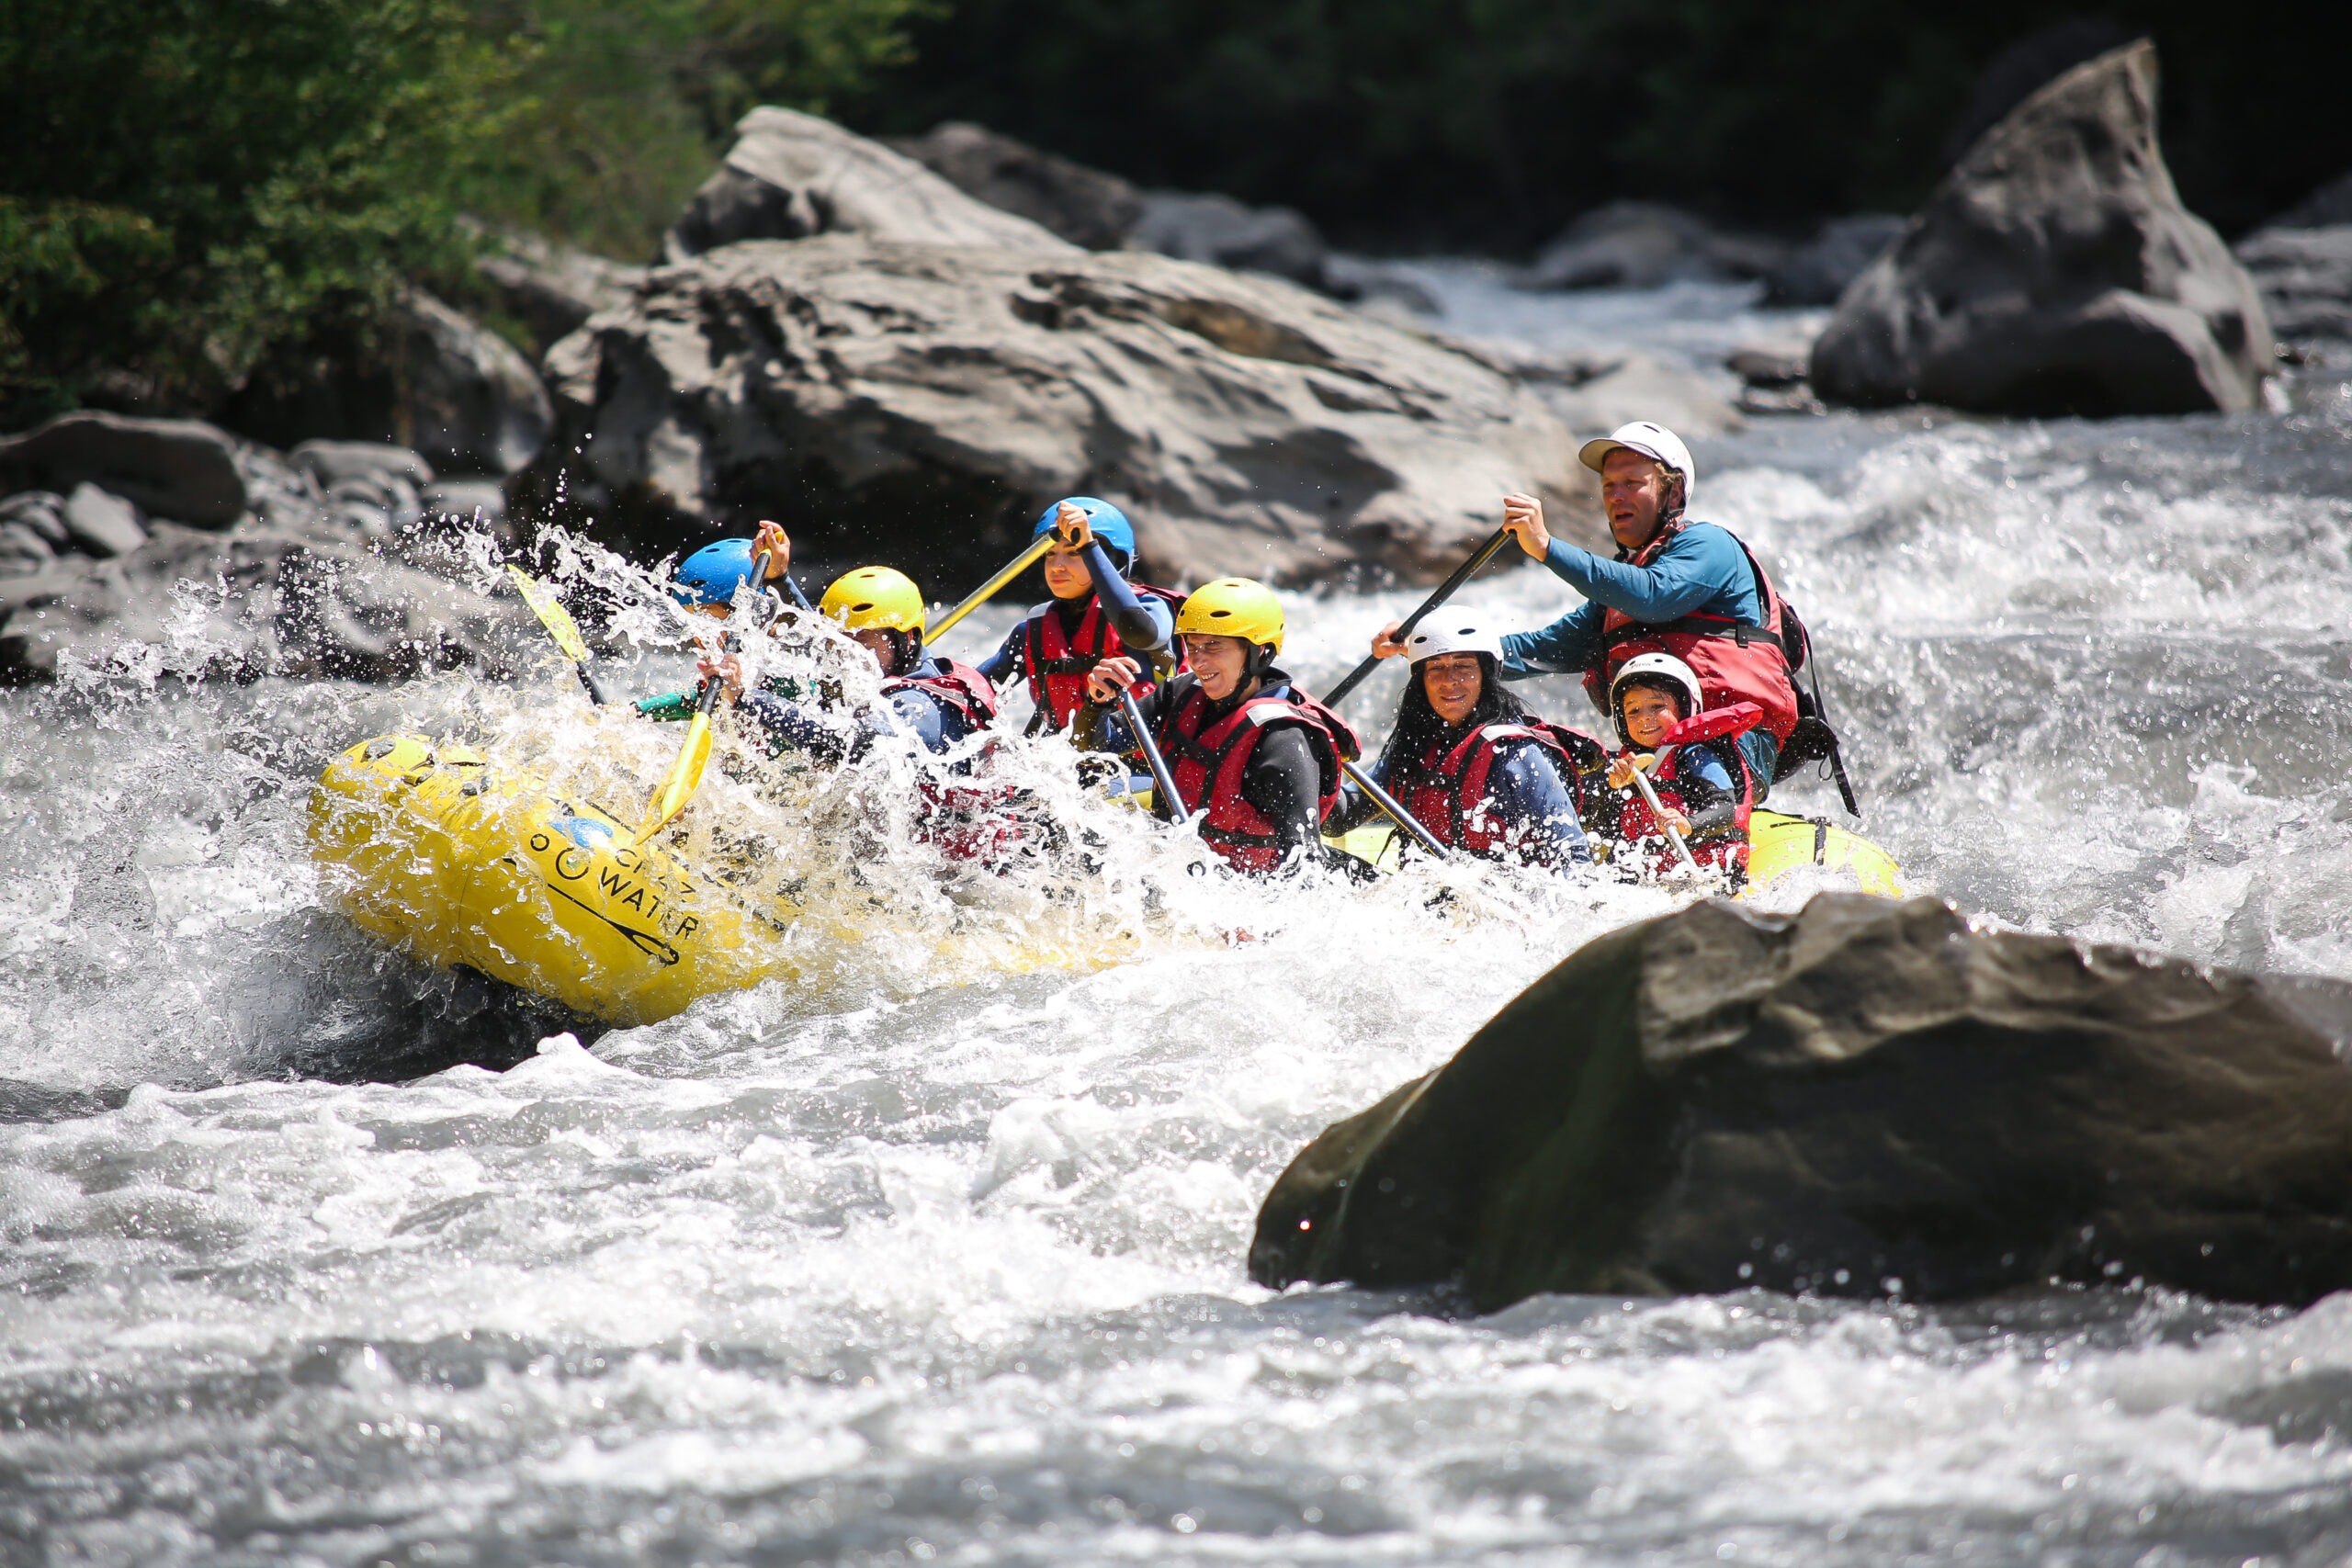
(618, 890)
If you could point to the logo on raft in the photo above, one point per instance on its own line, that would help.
(623, 884)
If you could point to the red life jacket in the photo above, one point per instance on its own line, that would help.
(1207, 764)
(963, 688)
(1449, 795)
(1057, 664)
(1736, 663)
(1729, 851)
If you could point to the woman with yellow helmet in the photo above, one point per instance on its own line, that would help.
(1259, 757)
(933, 702)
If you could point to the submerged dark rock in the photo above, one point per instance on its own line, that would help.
(1866, 1097)
(2054, 271)
(180, 469)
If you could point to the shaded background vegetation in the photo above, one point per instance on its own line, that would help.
(189, 185)
(1489, 122)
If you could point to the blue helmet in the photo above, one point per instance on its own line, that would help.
(712, 574)
(1109, 525)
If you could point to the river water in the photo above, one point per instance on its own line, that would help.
(934, 1253)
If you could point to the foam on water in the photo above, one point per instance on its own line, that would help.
(936, 1252)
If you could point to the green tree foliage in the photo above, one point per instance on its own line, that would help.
(189, 186)
(1491, 121)
(622, 103)
(189, 181)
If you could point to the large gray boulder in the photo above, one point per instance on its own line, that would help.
(925, 401)
(791, 175)
(438, 383)
(180, 469)
(551, 288)
(1866, 1098)
(2054, 271)
(1086, 206)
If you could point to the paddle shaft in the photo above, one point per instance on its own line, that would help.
(1445, 591)
(987, 590)
(1161, 779)
(1388, 803)
(1658, 814)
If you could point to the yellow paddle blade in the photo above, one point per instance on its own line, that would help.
(552, 615)
(683, 779)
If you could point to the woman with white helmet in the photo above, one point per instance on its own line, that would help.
(1478, 770)
(1705, 789)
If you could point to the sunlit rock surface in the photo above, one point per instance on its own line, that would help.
(1246, 424)
(1864, 1099)
(2055, 271)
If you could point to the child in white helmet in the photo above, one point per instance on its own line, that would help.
(1705, 787)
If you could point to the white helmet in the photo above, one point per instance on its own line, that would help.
(1452, 631)
(1653, 441)
(1656, 667)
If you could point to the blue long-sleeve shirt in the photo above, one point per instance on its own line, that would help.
(1524, 792)
(1701, 571)
(1144, 627)
(909, 714)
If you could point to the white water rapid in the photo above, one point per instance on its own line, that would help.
(935, 1254)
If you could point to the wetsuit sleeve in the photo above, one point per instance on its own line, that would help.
(1010, 655)
(1567, 647)
(1702, 567)
(1144, 625)
(788, 726)
(1709, 797)
(671, 708)
(1527, 792)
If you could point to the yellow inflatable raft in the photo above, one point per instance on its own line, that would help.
(1777, 843)
(468, 865)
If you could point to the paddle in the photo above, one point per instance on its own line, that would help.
(1712, 725)
(687, 777)
(1445, 591)
(1162, 780)
(563, 628)
(1388, 803)
(987, 590)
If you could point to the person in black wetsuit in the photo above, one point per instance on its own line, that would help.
(1249, 749)
(1095, 612)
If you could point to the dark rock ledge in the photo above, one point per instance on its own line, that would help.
(1864, 1099)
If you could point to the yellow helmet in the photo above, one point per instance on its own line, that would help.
(1233, 606)
(874, 596)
